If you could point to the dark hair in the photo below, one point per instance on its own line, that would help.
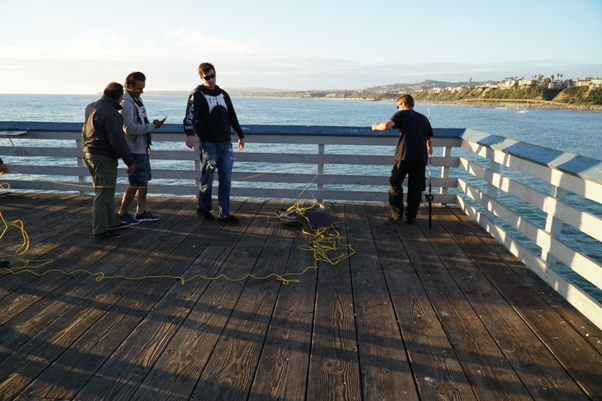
(130, 80)
(406, 99)
(204, 69)
(114, 90)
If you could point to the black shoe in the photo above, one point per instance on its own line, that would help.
(230, 219)
(121, 225)
(4, 263)
(410, 220)
(205, 215)
(107, 235)
(394, 219)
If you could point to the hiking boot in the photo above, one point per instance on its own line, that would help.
(208, 216)
(146, 216)
(127, 218)
(107, 235)
(228, 219)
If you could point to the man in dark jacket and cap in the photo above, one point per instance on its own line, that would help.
(104, 143)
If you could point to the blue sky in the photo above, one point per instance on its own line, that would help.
(77, 47)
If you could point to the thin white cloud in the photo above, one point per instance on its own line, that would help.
(194, 40)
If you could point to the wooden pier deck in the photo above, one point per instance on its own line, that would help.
(415, 314)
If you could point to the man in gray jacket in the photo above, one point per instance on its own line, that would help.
(137, 130)
(104, 143)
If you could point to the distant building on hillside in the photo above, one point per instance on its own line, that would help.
(527, 82)
(583, 82)
(559, 85)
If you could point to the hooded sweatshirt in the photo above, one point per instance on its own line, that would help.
(210, 114)
(136, 126)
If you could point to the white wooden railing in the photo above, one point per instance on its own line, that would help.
(485, 178)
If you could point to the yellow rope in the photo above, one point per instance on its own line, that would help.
(26, 263)
(324, 240)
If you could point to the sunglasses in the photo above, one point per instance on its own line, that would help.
(208, 77)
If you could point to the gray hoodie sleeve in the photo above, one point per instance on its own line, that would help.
(130, 125)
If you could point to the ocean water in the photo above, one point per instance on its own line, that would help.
(577, 132)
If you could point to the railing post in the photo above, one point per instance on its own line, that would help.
(80, 163)
(553, 225)
(447, 150)
(491, 189)
(319, 185)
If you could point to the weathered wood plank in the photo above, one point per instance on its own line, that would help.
(337, 334)
(177, 370)
(482, 360)
(173, 252)
(385, 369)
(283, 366)
(541, 373)
(437, 371)
(334, 365)
(57, 323)
(229, 372)
(580, 358)
(120, 376)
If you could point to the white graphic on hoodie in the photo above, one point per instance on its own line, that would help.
(213, 101)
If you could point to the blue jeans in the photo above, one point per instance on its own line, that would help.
(216, 155)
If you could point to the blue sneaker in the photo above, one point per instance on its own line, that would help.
(127, 218)
(146, 216)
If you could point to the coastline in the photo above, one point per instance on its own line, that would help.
(519, 104)
(513, 103)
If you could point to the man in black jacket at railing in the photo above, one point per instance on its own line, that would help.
(411, 157)
(104, 143)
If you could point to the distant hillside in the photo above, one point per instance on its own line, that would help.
(578, 97)
(581, 97)
(383, 92)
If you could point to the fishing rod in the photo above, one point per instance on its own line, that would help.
(429, 196)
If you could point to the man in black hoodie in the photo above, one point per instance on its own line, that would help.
(210, 114)
(104, 143)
